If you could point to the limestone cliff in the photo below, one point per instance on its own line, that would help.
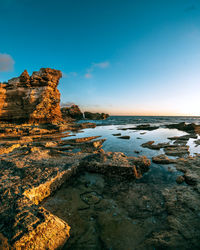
(31, 98)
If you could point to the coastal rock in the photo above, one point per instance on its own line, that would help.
(116, 164)
(141, 127)
(197, 142)
(151, 145)
(127, 137)
(95, 116)
(118, 134)
(190, 128)
(73, 112)
(180, 179)
(176, 150)
(31, 98)
(146, 127)
(163, 159)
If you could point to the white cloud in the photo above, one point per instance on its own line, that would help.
(67, 75)
(6, 63)
(101, 65)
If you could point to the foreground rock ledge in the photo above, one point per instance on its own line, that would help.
(35, 165)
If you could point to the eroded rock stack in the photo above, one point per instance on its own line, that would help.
(31, 98)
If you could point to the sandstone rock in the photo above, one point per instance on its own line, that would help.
(176, 150)
(95, 116)
(73, 112)
(162, 159)
(31, 98)
(151, 145)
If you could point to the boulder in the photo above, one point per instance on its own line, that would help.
(34, 99)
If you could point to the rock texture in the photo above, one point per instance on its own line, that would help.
(190, 128)
(31, 98)
(34, 162)
(73, 112)
(95, 116)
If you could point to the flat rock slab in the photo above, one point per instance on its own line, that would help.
(127, 137)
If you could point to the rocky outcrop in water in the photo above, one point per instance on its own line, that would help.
(32, 98)
(190, 128)
(73, 112)
(95, 116)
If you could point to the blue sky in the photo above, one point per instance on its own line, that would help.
(117, 56)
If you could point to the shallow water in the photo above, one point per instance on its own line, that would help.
(105, 213)
(137, 137)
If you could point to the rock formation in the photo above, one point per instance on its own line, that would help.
(73, 112)
(31, 98)
(189, 128)
(95, 116)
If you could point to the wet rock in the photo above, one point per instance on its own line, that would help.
(183, 137)
(146, 127)
(163, 159)
(197, 142)
(180, 179)
(124, 137)
(32, 98)
(118, 134)
(141, 127)
(116, 164)
(190, 128)
(151, 145)
(191, 178)
(178, 150)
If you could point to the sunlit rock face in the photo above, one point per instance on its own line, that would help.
(31, 98)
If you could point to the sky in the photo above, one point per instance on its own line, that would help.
(122, 57)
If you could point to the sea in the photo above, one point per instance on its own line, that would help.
(106, 129)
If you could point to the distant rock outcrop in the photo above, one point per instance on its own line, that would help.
(95, 116)
(73, 112)
(189, 128)
(31, 98)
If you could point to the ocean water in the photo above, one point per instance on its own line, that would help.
(116, 124)
(132, 147)
(156, 120)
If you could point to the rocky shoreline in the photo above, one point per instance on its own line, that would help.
(38, 155)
